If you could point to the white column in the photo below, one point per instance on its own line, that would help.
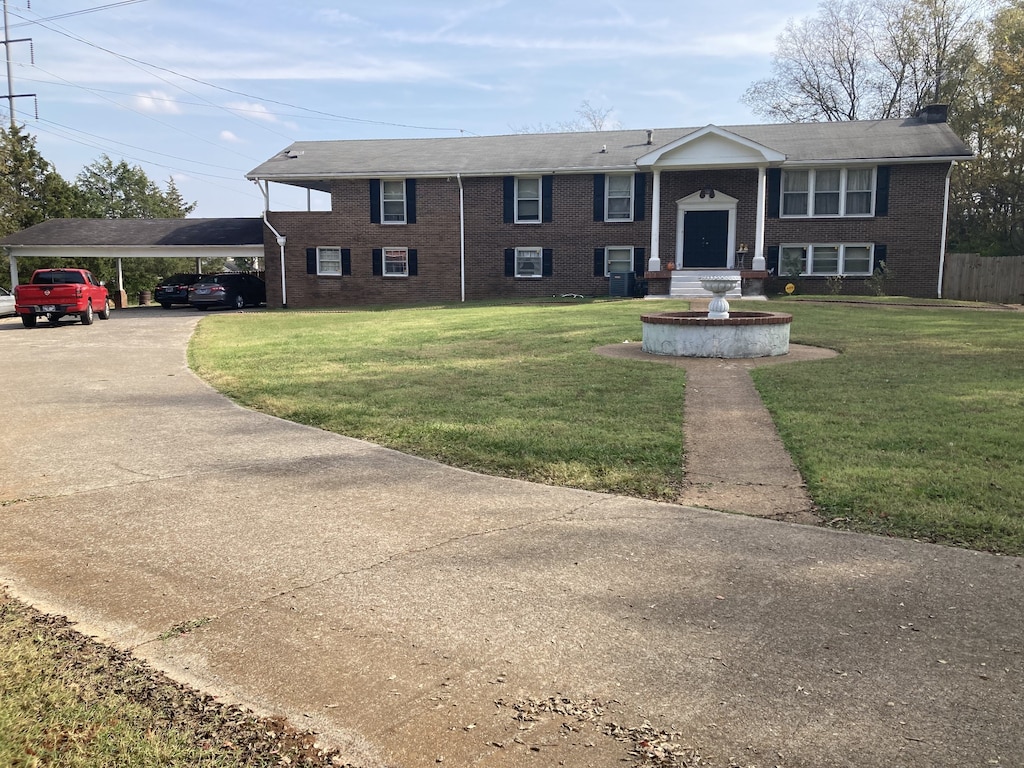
(14, 266)
(762, 187)
(654, 262)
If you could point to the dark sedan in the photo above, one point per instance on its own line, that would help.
(235, 289)
(174, 290)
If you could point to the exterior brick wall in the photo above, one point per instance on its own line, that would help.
(912, 233)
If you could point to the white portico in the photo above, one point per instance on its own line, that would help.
(705, 225)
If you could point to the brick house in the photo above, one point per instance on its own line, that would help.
(528, 215)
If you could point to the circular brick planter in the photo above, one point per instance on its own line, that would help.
(694, 334)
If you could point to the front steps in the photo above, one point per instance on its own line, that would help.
(686, 283)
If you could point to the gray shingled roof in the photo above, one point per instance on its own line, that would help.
(140, 232)
(880, 140)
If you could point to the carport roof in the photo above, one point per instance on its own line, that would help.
(139, 233)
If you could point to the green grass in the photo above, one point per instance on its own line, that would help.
(69, 702)
(507, 390)
(916, 430)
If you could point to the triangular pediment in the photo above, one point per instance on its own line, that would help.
(711, 147)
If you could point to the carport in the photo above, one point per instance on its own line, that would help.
(136, 238)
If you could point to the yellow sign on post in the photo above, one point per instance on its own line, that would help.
(790, 288)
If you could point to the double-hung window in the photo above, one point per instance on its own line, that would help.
(618, 259)
(826, 259)
(619, 197)
(392, 201)
(328, 261)
(529, 262)
(528, 199)
(828, 192)
(396, 262)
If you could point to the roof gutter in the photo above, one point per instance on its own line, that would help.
(281, 239)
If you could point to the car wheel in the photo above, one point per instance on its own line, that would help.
(104, 314)
(87, 316)
(29, 321)
(239, 301)
(165, 304)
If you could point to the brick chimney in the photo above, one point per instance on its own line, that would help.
(934, 113)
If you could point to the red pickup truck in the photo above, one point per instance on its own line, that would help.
(53, 293)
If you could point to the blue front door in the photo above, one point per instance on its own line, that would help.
(705, 239)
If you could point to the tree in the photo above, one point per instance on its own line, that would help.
(987, 194)
(588, 118)
(122, 191)
(31, 190)
(875, 60)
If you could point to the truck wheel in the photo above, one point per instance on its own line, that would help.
(104, 314)
(29, 321)
(87, 316)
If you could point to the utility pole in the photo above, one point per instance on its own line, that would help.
(11, 95)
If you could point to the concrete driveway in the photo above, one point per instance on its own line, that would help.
(417, 614)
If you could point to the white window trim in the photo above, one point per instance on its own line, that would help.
(540, 262)
(607, 197)
(607, 269)
(405, 202)
(540, 201)
(384, 262)
(843, 175)
(320, 270)
(840, 266)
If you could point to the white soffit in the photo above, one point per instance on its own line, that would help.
(711, 147)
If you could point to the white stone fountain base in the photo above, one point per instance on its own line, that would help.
(694, 334)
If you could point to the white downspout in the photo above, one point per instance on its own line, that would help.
(945, 223)
(462, 235)
(281, 239)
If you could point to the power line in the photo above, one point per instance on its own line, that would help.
(76, 13)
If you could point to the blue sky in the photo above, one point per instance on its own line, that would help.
(205, 90)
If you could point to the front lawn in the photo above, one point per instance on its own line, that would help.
(916, 430)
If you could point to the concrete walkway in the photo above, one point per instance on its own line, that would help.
(418, 615)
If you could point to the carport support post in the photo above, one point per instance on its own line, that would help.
(14, 266)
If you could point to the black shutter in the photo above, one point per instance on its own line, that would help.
(546, 201)
(410, 201)
(375, 201)
(639, 196)
(882, 191)
(774, 192)
(639, 261)
(771, 261)
(510, 262)
(414, 263)
(311, 261)
(547, 262)
(346, 261)
(598, 197)
(508, 185)
(881, 257)
(599, 262)
(378, 262)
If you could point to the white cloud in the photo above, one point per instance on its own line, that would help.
(229, 137)
(253, 110)
(157, 102)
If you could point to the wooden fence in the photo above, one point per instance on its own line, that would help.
(971, 277)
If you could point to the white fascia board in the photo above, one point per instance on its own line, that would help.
(136, 251)
(878, 161)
